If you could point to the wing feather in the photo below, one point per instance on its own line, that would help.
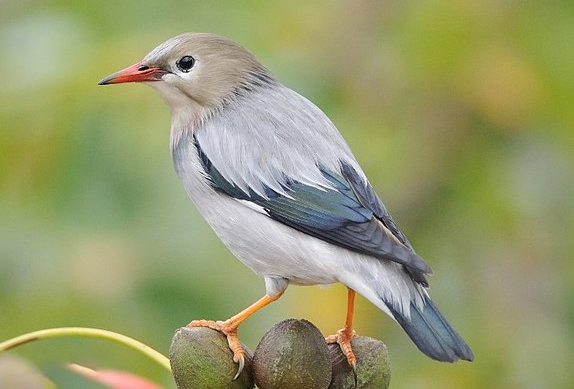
(347, 212)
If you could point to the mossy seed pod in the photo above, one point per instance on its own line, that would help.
(292, 355)
(201, 358)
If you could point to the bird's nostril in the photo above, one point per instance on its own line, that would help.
(142, 68)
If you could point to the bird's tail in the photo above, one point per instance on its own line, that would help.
(432, 334)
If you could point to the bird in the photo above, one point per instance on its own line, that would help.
(277, 182)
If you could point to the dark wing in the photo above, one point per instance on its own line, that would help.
(349, 214)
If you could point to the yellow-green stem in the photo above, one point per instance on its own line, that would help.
(89, 333)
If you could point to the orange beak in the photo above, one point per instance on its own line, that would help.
(135, 73)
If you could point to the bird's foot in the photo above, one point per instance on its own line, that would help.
(229, 329)
(343, 338)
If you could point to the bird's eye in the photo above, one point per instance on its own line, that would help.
(185, 63)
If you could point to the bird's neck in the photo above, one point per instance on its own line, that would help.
(185, 120)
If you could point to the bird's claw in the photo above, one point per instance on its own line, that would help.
(241, 361)
(238, 352)
(230, 332)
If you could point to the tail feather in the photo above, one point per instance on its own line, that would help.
(432, 334)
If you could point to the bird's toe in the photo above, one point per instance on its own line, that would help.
(229, 329)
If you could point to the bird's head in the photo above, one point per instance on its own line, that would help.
(195, 70)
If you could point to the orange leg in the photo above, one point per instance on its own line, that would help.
(343, 336)
(229, 328)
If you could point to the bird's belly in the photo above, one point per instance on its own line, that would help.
(270, 248)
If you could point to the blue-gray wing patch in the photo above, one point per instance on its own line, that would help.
(349, 214)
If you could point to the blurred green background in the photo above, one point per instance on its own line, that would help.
(461, 113)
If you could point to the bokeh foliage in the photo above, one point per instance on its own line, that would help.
(461, 113)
